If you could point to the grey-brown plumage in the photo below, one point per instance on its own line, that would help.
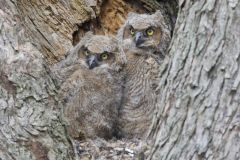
(145, 39)
(92, 88)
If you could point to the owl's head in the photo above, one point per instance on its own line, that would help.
(98, 51)
(144, 31)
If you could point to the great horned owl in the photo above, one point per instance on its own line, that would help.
(145, 39)
(151, 33)
(92, 88)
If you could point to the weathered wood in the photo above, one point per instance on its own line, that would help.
(50, 24)
(198, 116)
(34, 34)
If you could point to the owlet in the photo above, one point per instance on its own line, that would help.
(91, 88)
(145, 39)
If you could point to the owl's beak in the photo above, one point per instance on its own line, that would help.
(139, 38)
(92, 61)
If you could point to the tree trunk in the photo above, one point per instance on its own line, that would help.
(198, 115)
(33, 35)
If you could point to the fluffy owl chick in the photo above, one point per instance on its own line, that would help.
(148, 33)
(145, 39)
(92, 90)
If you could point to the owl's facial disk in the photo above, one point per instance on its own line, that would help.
(96, 59)
(148, 37)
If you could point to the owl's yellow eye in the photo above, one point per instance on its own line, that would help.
(149, 32)
(86, 52)
(104, 56)
(132, 32)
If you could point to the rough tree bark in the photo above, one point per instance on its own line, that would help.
(33, 35)
(198, 115)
